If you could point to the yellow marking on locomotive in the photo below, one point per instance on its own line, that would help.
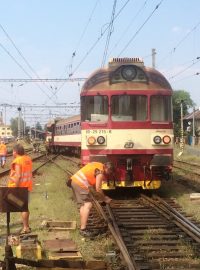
(147, 184)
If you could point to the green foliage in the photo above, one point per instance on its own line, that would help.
(178, 97)
(14, 125)
(38, 126)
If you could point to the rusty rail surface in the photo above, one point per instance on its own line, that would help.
(152, 234)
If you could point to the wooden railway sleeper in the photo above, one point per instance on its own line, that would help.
(171, 214)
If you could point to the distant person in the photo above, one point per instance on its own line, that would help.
(91, 175)
(21, 176)
(3, 153)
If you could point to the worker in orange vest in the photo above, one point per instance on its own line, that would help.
(91, 175)
(3, 153)
(21, 176)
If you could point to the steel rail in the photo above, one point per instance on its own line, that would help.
(177, 214)
(60, 167)
(171, 214)
(187, 163)
(129, 262)
(5, 172)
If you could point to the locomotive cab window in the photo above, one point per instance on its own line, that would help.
(161, 108)
(129, 108)
(94, 108)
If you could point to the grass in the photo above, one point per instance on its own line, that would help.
(178, 191)
(187, 154)
(51, 199)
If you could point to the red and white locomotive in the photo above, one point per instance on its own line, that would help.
(126, 118)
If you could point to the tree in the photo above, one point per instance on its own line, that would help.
(38, 126)
(178, 97)
(14, 126)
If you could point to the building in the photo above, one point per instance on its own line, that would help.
(193, 116)
(5, 130)
(189, 120)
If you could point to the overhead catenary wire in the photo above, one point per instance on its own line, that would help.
(180, 42)
(70, 66)
(140, 28)
(128, 27)
(183, 64)
(20, 53)
(186, 77)
(109, 33)
(81, 38)
(98, 39)
(13, 58)
(34, 112)
(43, 80)
(180, 72)
(93, 46)
(87, 24)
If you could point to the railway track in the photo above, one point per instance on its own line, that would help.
(188, 167)
(43, 160)
(189, 174)
(151, 233)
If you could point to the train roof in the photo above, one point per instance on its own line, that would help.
(61, 121)
(114, 77)
(74, 118)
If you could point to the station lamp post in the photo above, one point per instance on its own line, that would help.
(182, 138)
(19, 123)
(193, 125)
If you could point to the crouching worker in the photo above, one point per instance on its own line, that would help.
(91, 175)
(21, 176)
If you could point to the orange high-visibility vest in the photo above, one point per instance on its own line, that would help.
(85, 177)
(25, 164)
(3, 149)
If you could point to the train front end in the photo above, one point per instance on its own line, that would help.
(126, 118)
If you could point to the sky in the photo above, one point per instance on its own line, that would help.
(46, 39)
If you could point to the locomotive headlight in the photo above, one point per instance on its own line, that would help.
(166, 139)
(128, 73)
(101, 140)
(91, 140)
(157, 139)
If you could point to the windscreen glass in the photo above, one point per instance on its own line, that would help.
(129, 108)
(94, 108)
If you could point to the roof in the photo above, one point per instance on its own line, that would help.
(110, 77)
(70, 119)
(190, 115)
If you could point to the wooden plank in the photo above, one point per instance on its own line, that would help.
(59, 225)
(65, 255)
(195, 196)
(60, 245)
